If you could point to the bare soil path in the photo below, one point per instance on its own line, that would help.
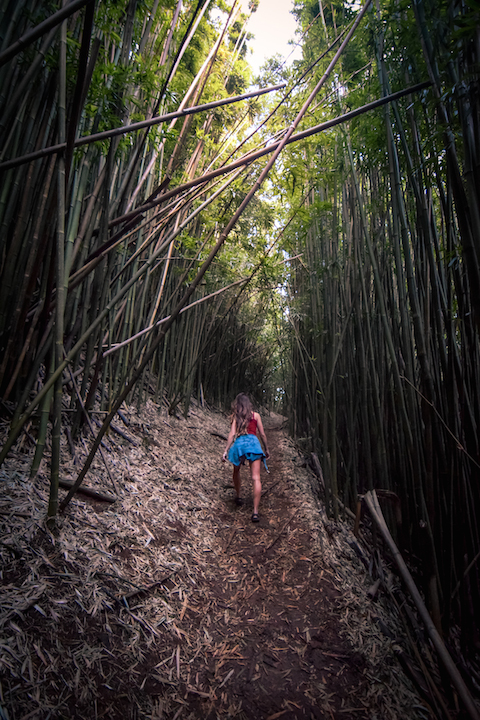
(171, 604)
(282, 655)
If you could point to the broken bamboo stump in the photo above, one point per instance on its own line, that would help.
(104, 497)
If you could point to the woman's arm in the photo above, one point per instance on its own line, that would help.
(231, 435)
(261, 432)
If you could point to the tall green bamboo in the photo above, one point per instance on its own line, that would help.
(60, 282)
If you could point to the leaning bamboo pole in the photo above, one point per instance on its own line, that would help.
(212, 254)
(117, 346)
(443, 654)
(250, 157)
(99, 318)
(134, 127)
(29, 37)
(84, 243)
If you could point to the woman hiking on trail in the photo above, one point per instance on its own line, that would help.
(246, 446)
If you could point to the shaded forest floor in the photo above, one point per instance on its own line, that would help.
(170, 603)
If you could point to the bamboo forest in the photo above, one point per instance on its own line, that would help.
(178, 228)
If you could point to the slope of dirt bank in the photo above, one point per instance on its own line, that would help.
(170, 603)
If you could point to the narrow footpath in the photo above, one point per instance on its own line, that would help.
(274, 613)
(273, 618)
(170, 604)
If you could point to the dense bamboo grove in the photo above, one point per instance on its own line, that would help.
(384, 300)
(146, 263)
(87, 267)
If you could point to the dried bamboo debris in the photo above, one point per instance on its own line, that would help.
(362, 626)
(155, 598)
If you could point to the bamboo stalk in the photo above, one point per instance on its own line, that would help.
(16, 429)
(90, 425)
(29, 37)
(134, 127)
(90, 492)
(443, 654)
(60, 282)
(42, 430)
(118, 346)
(272, 147)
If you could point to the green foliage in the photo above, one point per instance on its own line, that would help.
(236, 83)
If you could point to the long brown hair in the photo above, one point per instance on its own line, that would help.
(242, 412)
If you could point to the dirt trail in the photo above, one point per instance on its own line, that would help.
(282, 655)
(171, 604)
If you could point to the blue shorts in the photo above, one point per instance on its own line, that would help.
(246, 447)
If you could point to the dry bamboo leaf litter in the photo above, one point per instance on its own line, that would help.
(157, 605)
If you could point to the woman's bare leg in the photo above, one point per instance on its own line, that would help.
(236, 479)
(257, 485)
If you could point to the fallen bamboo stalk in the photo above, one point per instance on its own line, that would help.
(270, 487)
(219, 435)
(144, 590)
(442, 652)
(104, 497)
(123, 418)
(119, 432)
(146, 625)
(433, 689)
(282, 530)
